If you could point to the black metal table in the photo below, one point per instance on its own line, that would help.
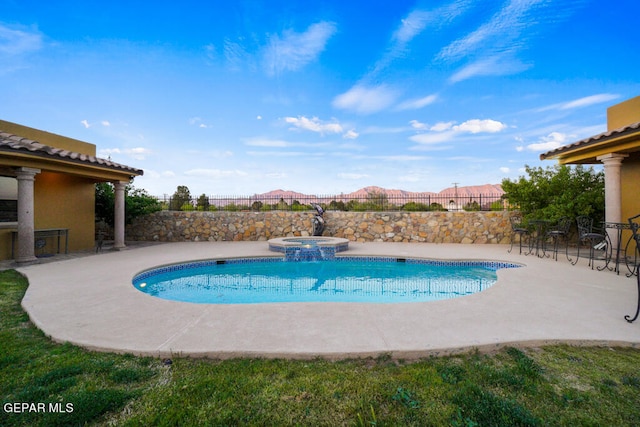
(43, 234)
(616, 228)
(538, 241)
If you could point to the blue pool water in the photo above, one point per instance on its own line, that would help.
(343, 279)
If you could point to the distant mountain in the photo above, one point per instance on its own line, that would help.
(398, 196)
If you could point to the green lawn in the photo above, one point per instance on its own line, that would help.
(557, 385)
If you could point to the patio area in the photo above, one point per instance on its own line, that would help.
(89, 301)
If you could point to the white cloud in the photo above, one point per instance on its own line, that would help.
(478, 126)
(505, 170)
(447, 131)
(266, 142)
(292, 51)
(589, 100)
(581, 102)
(215, 173)
(105, 123)
(417, 125)
(353, 176)
(492, 66)
(433, 138)
(197, 121)
(503, 32)
(366, 100)
(415, 23)
(314, 124)
(277, 153)
(17, 42)
(236, 56)
(442, 126)
(417, 103)
(549, 142)
(412, 25)
(350, 134)
(86, 124)
(138, 153)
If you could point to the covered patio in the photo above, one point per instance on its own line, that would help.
(618, 149)
(53, 183)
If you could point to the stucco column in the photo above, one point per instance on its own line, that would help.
(118, 216)
(25, 252)
(612, 196)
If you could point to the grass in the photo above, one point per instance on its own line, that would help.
(556, 385)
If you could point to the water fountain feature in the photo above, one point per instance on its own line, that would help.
(308, 248)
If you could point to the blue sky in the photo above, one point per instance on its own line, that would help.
(322, 97)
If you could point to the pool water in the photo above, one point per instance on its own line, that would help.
(345, 279)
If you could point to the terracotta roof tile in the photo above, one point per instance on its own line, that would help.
(593, 139)
(10, 142)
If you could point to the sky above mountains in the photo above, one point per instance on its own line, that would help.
(318, 97)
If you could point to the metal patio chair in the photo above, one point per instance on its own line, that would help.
(517, 229)
(587, 235)
(635, 229)
(558, 233)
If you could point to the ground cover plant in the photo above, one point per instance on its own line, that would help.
(556, 385)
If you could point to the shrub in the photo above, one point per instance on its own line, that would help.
(557, 191)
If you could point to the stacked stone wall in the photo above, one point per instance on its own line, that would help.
(431, 227)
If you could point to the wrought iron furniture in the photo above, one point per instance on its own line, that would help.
(44, 233)
(558, 233)
(517, 229)
(616, 229)
(635, 229)
(538, 240)
(587, 235)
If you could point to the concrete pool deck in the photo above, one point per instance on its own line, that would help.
(90, 301)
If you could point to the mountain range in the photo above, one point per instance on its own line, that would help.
(398, 196)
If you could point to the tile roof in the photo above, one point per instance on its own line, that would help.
(13, 143)
(601, 137)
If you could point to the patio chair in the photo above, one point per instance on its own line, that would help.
(558, 233)
(587, 235)
(635, 229)
(517, 229)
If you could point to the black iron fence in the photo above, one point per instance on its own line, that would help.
(372, 202)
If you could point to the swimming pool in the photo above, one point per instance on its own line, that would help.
(343, 279)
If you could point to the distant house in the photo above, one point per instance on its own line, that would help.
(47, 193)
(618, 150)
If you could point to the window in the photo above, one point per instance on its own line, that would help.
(8, 199)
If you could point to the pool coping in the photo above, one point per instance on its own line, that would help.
(89, 302)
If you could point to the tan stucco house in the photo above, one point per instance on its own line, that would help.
(47, 192)
(618, 149)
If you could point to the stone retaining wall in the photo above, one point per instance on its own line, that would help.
(432, 227)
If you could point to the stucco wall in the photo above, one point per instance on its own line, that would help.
(65, 201)
(60, 201)
(629, 188)
(623, 114)
(435, 227)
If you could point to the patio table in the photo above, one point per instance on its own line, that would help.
(616, 228)
(538, 240)
(43, 234)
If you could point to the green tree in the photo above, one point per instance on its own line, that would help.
(179, 198)
(377, 201)
(203, 202)
(415, 207)
(137, 202)
(557, 191)
(471, 206)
